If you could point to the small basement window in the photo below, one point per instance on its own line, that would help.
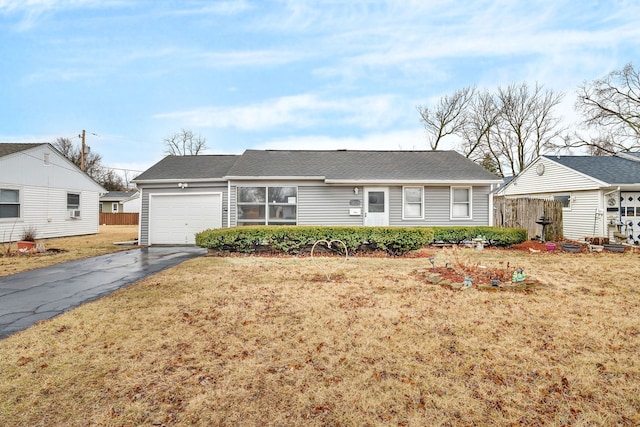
(565, 199)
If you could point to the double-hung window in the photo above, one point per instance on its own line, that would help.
(461, 203)
(267, 205)
(73, 201)
(413, 203)
(73, 205)
(9, 203)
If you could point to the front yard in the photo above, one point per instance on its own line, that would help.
(269, 341)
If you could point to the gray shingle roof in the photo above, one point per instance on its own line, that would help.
(609, 169)
(189, 167)
(10, 148)
(360, 165)
(117, 195)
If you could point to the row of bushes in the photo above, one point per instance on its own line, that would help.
(392, 240)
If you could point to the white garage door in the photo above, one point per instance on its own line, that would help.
(175, 219)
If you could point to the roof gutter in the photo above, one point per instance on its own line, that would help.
(412, 181)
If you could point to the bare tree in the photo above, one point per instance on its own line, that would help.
(185, 143)
(611, 106)
(526, 126)
(481, 118)
(92, 163)
(448, 117)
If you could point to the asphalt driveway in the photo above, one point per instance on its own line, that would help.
(28, 297)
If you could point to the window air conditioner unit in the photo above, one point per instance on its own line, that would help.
(73, 213)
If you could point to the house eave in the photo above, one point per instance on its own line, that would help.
(275, 178)
(412, 181)
(176, 180)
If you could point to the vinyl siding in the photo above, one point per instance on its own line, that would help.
(437, 206)
(45, 209)
(555, 178)
(324, 205)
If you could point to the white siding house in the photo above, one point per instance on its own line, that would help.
(600, 194)
(42, 190)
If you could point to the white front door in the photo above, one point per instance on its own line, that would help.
(376, 206)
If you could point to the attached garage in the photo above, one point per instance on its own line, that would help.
(174, 219)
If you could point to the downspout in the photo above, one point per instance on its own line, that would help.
(140, 218)
(490, 209)
(228, 204)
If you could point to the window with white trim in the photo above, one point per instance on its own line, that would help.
(565, 199)
(413, 202)
(9, 203)
(114, 207)
(267, 205)
(73, 201)
(461, 202)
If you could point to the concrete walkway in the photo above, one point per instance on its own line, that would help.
(28, 297)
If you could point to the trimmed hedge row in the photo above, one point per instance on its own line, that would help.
(494, 236)
(393, 240)
(294, 239)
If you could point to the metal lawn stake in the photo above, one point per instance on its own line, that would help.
(432, 260)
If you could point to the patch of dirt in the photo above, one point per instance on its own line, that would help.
(50, 251)
(533, 246)
(483, 278)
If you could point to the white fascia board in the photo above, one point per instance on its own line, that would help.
(274, 178)
(175, 181)
(411, 182)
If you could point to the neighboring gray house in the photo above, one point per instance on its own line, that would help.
(43, 190)
(600, 194)
(120, 201)
(183, 195)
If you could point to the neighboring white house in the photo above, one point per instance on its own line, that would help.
(600, 194)
(41, 189)
(183, 195)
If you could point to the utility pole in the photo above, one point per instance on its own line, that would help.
(82, 152)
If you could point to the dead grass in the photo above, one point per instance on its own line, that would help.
(71, 248)
(268, 341)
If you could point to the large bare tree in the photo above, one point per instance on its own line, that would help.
(526, 126)
(504, 131)
(185, 143)
(448, 117)
(611, 107)
(481, 117)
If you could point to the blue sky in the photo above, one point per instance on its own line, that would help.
(307, 74)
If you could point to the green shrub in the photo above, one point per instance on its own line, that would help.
(493, 235)
(296, 239)
(392, 240)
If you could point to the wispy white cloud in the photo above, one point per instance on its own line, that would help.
(230, 7)
(299, 111)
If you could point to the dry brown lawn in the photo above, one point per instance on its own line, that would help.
(71, 248)
(268, 341)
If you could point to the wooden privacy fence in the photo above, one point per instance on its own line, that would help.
(123, 218)
(523, 213)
